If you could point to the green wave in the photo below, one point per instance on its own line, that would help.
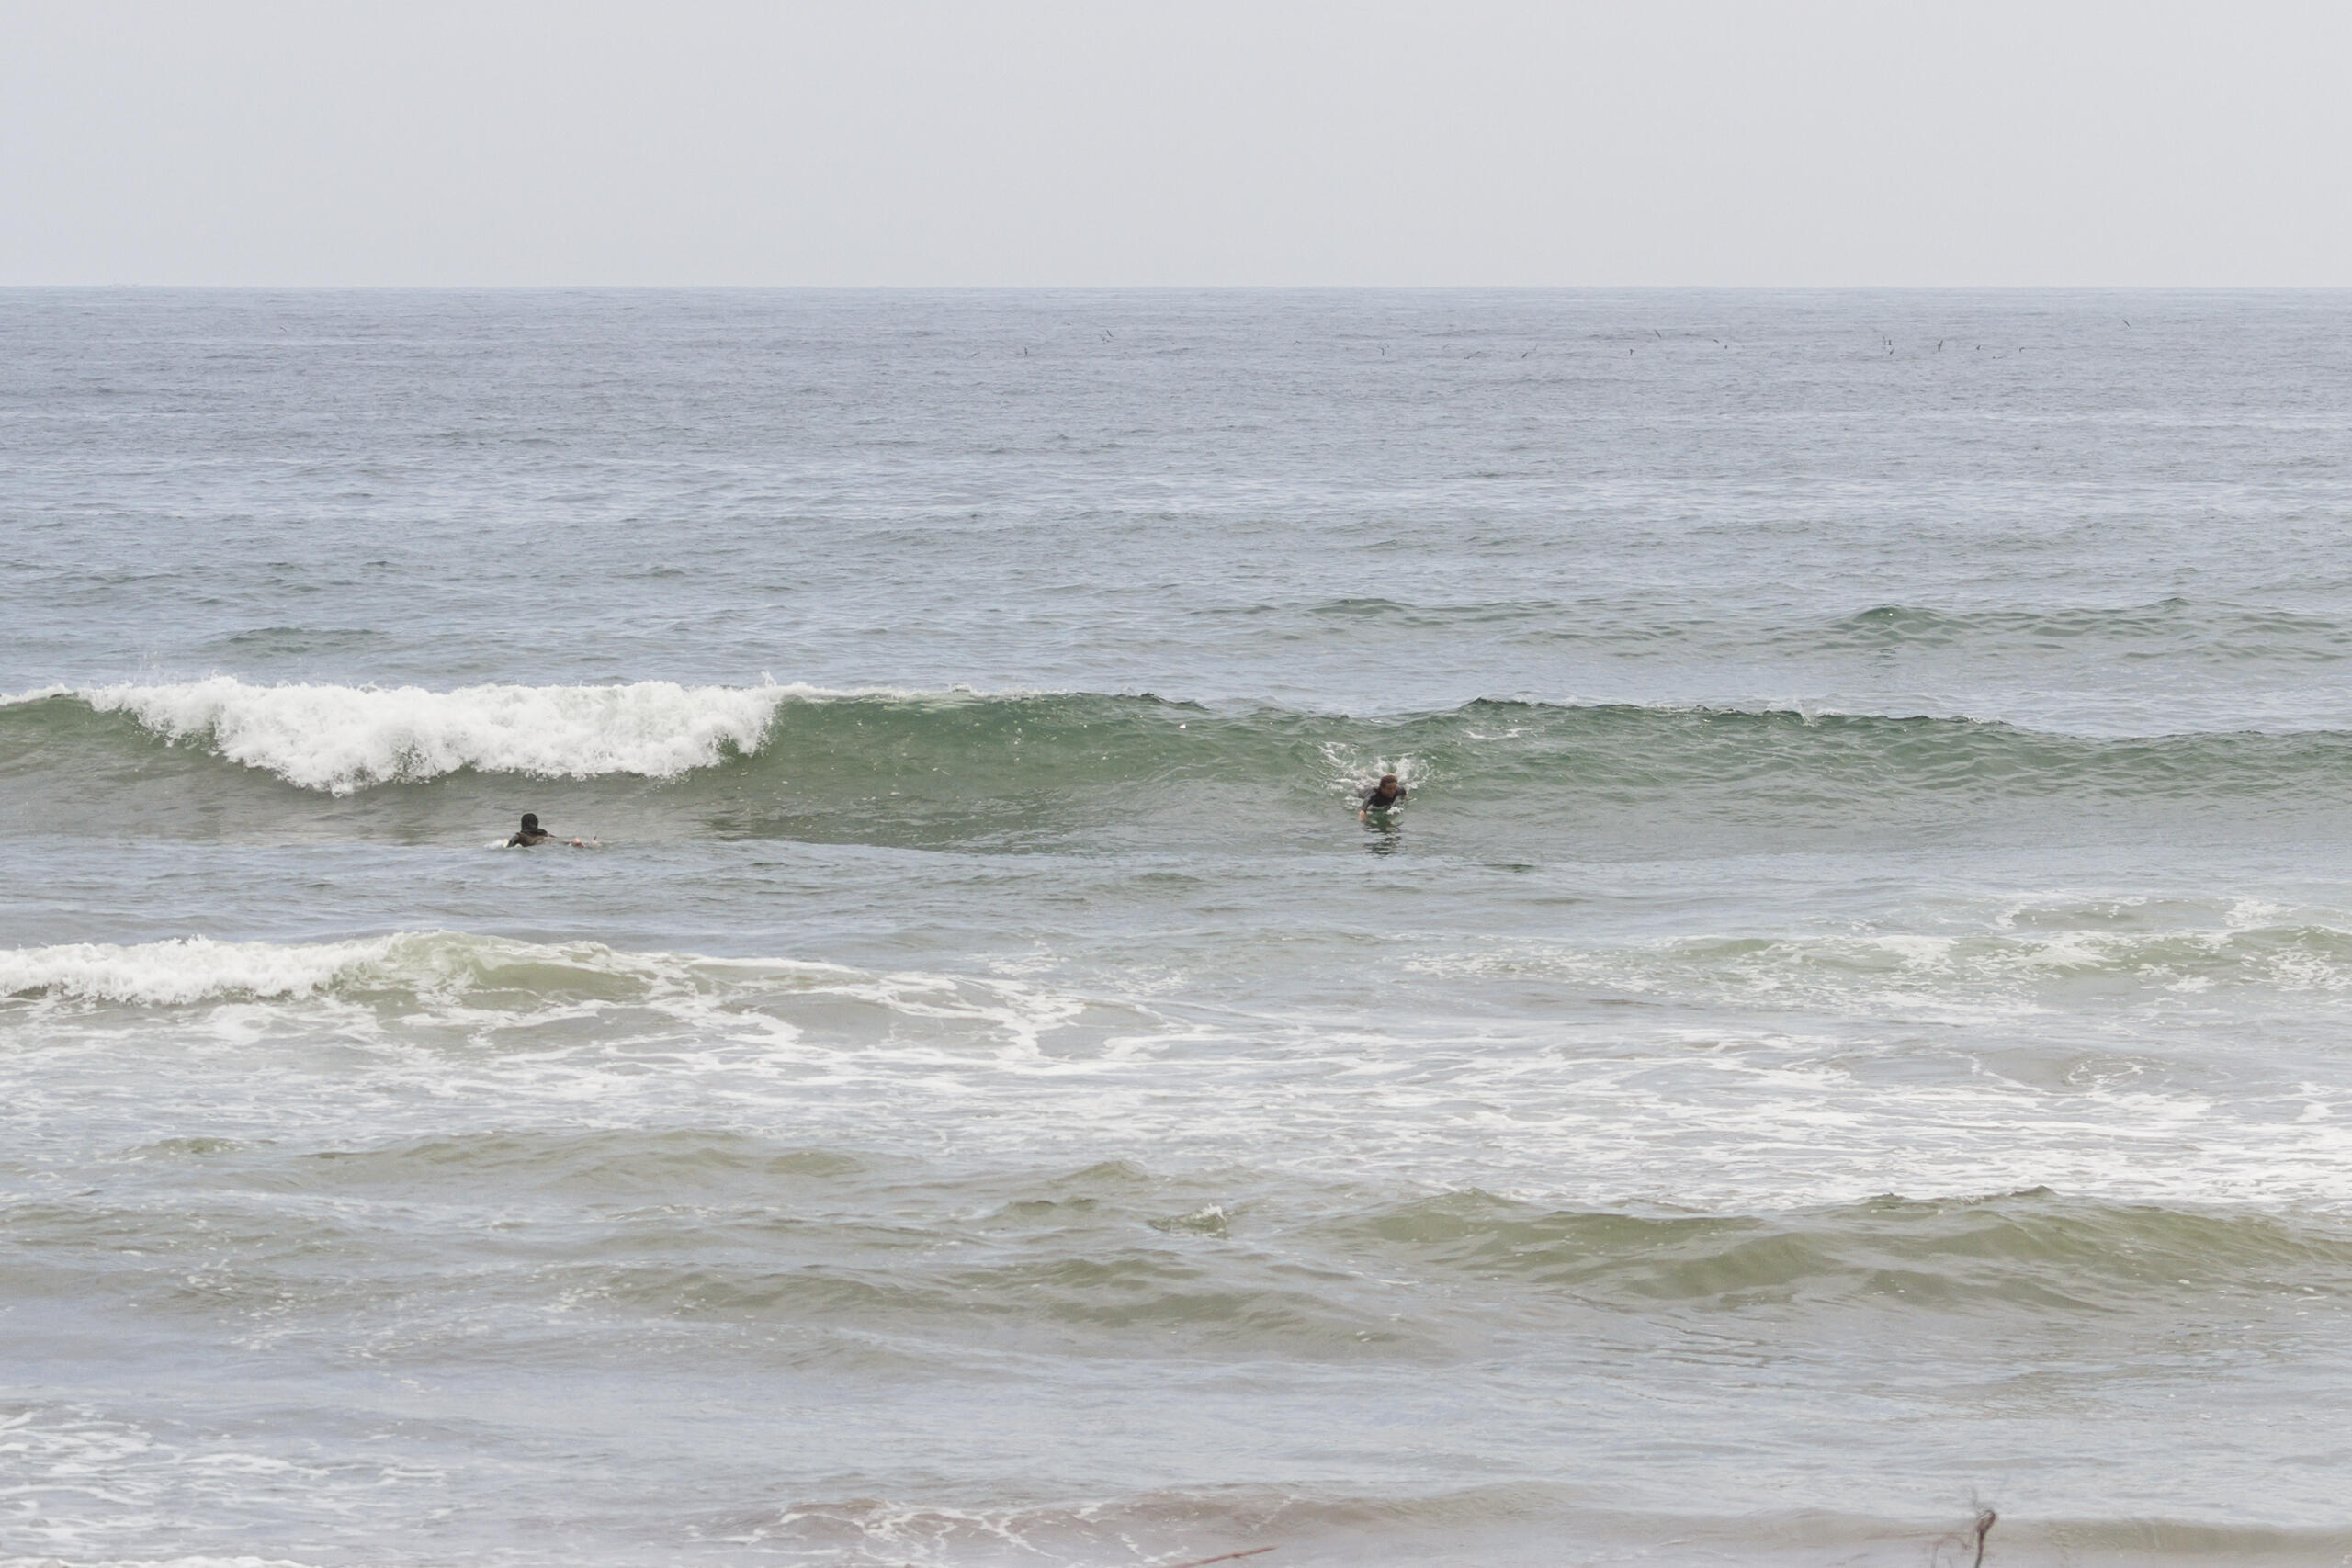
(957, 767)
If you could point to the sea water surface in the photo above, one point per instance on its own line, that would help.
(1849, 1029)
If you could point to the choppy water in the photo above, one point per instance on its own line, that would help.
(1849, 1026)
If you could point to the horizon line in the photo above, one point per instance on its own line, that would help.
(125, 287)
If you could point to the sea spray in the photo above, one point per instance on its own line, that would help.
(343, 738)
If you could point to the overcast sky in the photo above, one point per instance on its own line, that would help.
(1103, 143)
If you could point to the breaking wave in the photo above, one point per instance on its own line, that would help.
(342, 740)
(184, 971)
(490, 990)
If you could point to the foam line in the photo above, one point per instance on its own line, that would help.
(343, 738)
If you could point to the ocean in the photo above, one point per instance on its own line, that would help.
(1848, 1030)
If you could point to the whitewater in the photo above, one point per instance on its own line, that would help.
(1847, 1031)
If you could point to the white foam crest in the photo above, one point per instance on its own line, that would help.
(480, 985)
(342, 739)
(198, 1561)
(1962, 976)
(443, 965)
(182, 971)
(1355, 769)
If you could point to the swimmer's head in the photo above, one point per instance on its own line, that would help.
(1388, 781)
(530, 822)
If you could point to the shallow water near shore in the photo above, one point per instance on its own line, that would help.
(1847, 1030)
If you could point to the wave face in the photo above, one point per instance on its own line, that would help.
(342, 739)
(194, 969)
(658, 761)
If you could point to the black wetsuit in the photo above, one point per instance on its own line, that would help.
(524, 841)
(1374, 802)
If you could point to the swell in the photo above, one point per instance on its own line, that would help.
(1633, 627)
(2037, 1249)
(340, 741)
(716, 1223)
(2169, 627)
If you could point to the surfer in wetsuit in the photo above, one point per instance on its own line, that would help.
(1387, 795)
(532, 833)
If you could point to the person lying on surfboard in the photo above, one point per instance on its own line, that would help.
(1385, 795)
(532, 833)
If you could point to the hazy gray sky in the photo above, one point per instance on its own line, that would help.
(1030, 143)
